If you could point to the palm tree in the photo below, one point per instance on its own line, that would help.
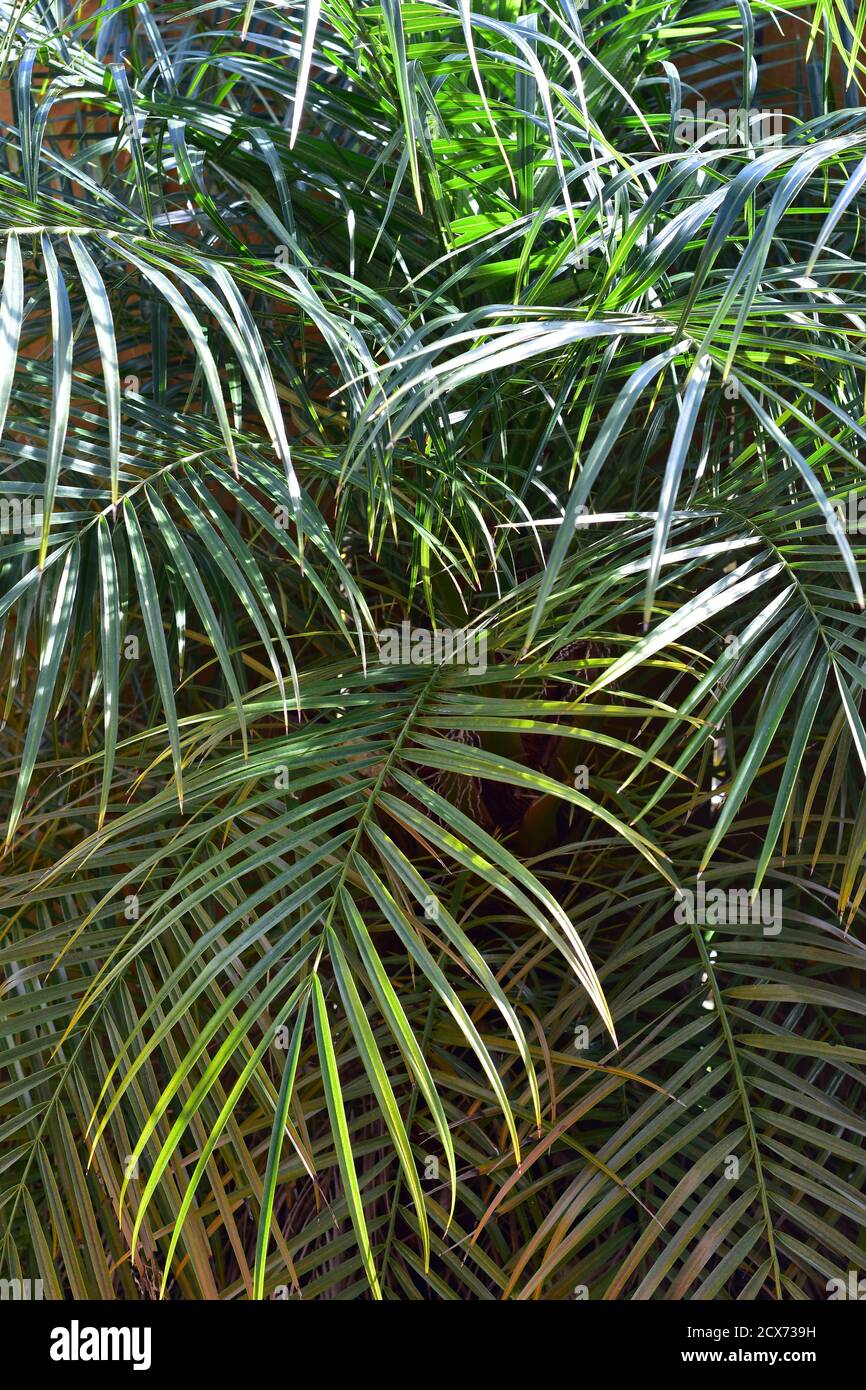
(330, 969)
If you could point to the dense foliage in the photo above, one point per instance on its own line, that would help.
(327, 975)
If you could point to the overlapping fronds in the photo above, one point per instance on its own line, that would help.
(333, 975)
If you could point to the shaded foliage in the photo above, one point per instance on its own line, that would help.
(329, 977)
